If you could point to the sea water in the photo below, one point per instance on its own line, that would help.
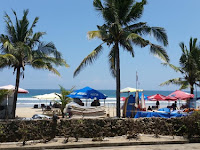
(27, 100)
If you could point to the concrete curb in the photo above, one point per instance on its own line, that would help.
(88, 145)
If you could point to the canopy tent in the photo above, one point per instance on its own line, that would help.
(129, 89)
(87, 93)
(11, 87)
(169, 98)
(181, 95)
(156, 97)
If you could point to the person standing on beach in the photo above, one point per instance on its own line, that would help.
(157, 104)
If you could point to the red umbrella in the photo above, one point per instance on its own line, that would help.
(123, 98)
(156, 97)
(11, 87)
(169, 98)
(181, 95)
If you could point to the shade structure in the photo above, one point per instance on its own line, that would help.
(51, 96)
(129, 89)
(86, 93)
(169, 98)
(123, 98)
(181, 95)
(11, 87)
(156, 97)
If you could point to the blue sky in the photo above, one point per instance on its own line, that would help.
(67, 23)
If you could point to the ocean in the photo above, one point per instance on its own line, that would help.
(27, 100)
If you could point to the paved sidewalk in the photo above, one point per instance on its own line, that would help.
(57, 143)
(190, 146)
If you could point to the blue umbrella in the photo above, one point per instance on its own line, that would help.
(87, 93)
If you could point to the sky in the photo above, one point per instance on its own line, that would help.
(67, 23)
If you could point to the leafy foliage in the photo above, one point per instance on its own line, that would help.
(119, 16)
(189, 66)
(121, 30)
(3, 94)
(21, 46)
(63, 98)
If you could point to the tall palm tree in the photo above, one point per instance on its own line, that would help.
(189, 66)
(121, 29)
(21, 47)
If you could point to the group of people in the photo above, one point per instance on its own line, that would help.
(173, 106)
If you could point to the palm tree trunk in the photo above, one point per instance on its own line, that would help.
(16, 92)
(117, 80)
(191, 90)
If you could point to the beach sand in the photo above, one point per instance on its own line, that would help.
(28, 112)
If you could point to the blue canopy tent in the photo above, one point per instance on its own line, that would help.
(86, 93)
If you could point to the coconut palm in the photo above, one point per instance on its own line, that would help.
(21, 47)
(189, 66)
(121, 30)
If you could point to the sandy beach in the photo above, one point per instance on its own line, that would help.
(28, 112)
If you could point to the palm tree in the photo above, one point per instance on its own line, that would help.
(189, 66)
(21, 47)
(64, 99)
(121, 30)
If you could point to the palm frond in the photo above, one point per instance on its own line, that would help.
(177, 69)
(98, 5)
(112, 62)
(176, 81)
(94, 34)
(159, 52)
(136, 11)
(89, 59)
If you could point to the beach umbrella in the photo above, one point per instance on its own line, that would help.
(123, 98)
(86, 93)
(169, 98)
(156, 97)
(11, 87)
(181, 95)
(129, 89)
(51, 96)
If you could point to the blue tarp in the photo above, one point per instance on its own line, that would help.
(157, 114)
(164, 109)
(87, 93)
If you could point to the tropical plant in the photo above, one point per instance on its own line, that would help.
(120, 30)
(3, 94)
(63, 99)
(21, 47)
(189, 66)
